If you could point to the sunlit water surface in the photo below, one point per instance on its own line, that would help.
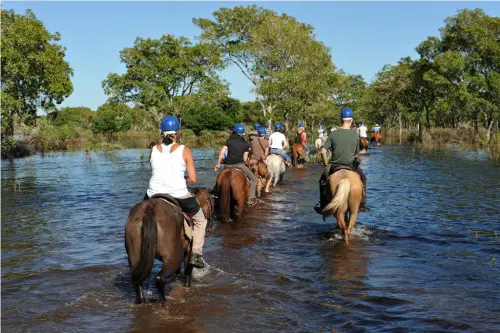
(422, 260)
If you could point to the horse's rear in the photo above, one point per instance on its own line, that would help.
(318, 144)
(231, 187)
(260, 169)
(344, 193)
(377, 138)
(154, 228)
(276, 167)
(363, 145)
(298, 154)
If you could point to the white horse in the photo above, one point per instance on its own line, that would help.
(276, 168)
(318, 144)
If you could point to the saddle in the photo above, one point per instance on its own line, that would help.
(188, 221)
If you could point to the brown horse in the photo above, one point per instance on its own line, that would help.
(259, 168)
(231, 187)
(298, 154)
(377, 137)
(155, 228)
(344, 194)
(363, 145)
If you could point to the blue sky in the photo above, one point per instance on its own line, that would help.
(362, 36)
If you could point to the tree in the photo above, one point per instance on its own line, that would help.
(112, 117)
(78, 117)
(162, 74)
(207, 117)
(35, 75)
(277, 54)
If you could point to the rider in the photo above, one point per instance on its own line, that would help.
(278, 143)
(254, 134)
(302, 138)
(268, 130)
(376, 128)
(237, 152)
(169, 161)
(320, 132)
(362, 130)
(344, 144)
(259, 147)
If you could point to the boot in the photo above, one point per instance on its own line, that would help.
(197, 260)
(363, 208)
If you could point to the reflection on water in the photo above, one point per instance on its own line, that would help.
(421, 260)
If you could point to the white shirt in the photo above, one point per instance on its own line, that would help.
(320, 133)
(362, 131)
(277, 140)
(168, 172)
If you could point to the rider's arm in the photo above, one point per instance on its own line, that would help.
(188, 159)
(266, 152)
(221, 157)
(324, 157)
(245, 156)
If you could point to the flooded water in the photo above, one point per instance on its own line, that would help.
(422, 260)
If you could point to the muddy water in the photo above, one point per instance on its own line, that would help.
(422, 260)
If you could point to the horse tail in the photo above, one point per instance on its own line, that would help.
(225, 196)
(148, 246)
(340, 198)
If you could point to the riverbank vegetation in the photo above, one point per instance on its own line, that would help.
(449, 94)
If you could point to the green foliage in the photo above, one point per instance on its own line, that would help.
(112, 118)
(163, 73)
(206, 117)
(34, 72)
(79, 117)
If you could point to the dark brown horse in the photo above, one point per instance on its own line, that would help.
(298, 154)
(377, 137)
(155, 228)
(231, 188)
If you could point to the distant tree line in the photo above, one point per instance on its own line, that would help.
(455, 81)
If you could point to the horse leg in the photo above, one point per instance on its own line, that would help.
(168, 269)
(188, 272)
(341, 223)
(240, 206)
(139, 295)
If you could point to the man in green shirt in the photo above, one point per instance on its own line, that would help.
(344, 145)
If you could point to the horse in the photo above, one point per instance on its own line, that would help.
(344, 194)
(276, 167)
(318, 144)
(298, 154)
(363, 145)
(231, 187)
(377, 137)
(155, 228)
(259, 168)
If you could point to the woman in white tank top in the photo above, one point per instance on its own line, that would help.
(169, 162)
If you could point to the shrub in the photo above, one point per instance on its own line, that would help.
(206, 117)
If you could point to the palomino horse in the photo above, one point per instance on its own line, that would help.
(259, 168)
(318, 144)
(377, 137)
(231, 187)
(298, 154)
(276, 167)
(155, 228)
(363, 145)
(347, 187)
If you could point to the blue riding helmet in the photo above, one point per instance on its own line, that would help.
(267, 125)
(278, 127)
(301, 125)
(361, 123)
(170, 123)
(239, 128)
(346, 113)
(261, 131)
(256, 126)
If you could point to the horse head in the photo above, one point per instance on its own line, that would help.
(206, 199)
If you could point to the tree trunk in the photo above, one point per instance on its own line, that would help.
(427, 120)
(400, 119)
(419, 126)
(474, 122)
(490, 126)
(286, 123)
